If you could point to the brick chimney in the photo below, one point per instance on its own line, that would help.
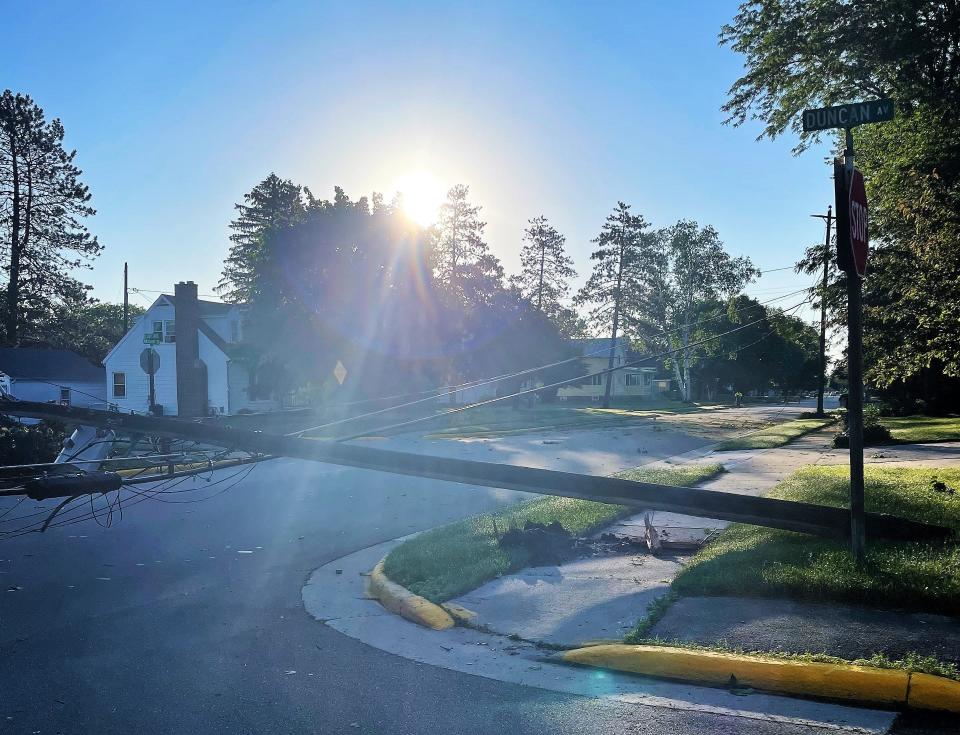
(191, 372)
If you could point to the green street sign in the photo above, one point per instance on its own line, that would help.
(847, 116)
(152, 339)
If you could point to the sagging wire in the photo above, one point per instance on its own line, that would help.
(527, 371)
(558, 384)
(162, 487)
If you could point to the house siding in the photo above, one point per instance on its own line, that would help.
(125, 358)
(227, 383)
(82, 394)
(218, 394)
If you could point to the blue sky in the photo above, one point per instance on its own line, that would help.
(177, 109)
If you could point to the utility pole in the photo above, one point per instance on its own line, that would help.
(823, 311)
(126, 301)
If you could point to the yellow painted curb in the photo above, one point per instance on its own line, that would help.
(398, 599)
(934, 692)
(834, 681)
(459, 612)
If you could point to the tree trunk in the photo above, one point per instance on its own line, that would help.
(13, 283)
(543, 255)
(616, 323)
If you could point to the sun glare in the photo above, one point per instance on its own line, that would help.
(422, 193)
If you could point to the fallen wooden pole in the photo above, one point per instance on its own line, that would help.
(809, 518)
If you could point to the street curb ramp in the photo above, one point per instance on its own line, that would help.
(863, 684)
(401, 601)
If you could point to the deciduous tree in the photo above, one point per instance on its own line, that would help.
(685, 267)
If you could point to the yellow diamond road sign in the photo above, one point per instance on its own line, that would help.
(340, 372)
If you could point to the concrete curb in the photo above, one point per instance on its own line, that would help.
(834, 681)
(401, 601)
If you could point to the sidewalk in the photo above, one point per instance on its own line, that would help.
(603, 597)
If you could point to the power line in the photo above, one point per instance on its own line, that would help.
(558, 384)
(528, 371)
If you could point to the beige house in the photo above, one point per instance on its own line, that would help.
(630, 381)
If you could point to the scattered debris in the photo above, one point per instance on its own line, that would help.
(941, 487)
(545, 544)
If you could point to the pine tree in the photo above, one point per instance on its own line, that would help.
(620, 253)
(463, 262)
(272, 204)
(545, 268)
(42, 204)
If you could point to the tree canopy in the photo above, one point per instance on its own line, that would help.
(43, 205)
(358, 284)
(801, 54)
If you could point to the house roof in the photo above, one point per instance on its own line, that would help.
(596, 346)
(207, 308)
(25, 363)
(217, 340)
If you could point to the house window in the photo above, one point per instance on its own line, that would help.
(169, 331)
(596, 380)
(119, 385)
(64, 396)
(634, 379)
(158, 330)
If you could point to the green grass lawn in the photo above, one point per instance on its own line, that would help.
(918, 429)
(774, 436)
(445, 562)
(754, 561)
(503, 420)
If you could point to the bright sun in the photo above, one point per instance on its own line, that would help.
(423, 193)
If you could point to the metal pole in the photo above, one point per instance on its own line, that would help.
(153, 398)
(126, 301)
(823, 316)
(858, 542)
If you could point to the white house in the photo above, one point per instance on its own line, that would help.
(51, 376)
(628, 381)
(199, 373)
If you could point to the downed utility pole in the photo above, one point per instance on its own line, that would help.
(788, 515)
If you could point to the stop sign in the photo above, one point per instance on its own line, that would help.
(859, 223)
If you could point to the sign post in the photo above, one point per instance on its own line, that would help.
(852, 251)
(150, 363)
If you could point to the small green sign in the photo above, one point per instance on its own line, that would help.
(847, 116)
(152, 338)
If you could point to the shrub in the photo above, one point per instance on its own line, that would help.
(873, 431)
(30, 444)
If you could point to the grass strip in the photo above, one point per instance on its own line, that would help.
(762, 562)
(447, 561)
(775, 435)
(504, 421)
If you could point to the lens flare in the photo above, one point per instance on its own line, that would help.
(422, 194)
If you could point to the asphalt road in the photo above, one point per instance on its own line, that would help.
(186, 617)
